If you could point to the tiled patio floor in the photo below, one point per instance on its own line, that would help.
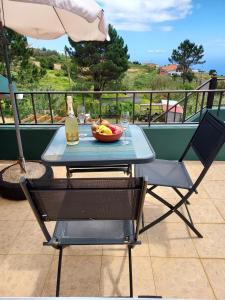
(170, 262)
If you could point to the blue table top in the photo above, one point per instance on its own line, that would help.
(92, 152)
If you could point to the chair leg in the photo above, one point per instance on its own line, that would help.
(143, 220)
(68, 173)
(172, 209)
(180, 194)
(130, 271)
(59, 272)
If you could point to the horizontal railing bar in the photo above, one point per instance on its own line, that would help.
(117, 92)
(136, 123)
(139, 118)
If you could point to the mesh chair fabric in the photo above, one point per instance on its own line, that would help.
(99, 199)
(165, 173)
(208, 139)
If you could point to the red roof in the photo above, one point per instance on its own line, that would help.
(178, 109)
(169, 68)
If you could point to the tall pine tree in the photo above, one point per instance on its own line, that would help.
(101, 62)
(186, 55)
(19, 52)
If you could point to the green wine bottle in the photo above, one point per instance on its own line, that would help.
(71, 124)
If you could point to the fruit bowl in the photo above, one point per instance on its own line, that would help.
(106, 138)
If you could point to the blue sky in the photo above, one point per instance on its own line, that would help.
(152, 28)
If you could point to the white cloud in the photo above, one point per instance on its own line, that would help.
(156, 51)
(139, 15)
(166, 28)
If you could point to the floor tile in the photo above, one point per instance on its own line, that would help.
(181, 278)
(14, 210)
(154, 209)
(204, 211)
(143, 281)
(30, 240)
(216, 171)
(80, 276)
(121, 250)
(220, 205)
(83, 250)
(23, 275)
(170, 240)
(115, 250)
(215, 269)
(8, 233)
(194, 168)
(115, 276)
(212, 245)
(2, 258)
(215, 189)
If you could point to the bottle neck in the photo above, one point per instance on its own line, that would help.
(70, 111)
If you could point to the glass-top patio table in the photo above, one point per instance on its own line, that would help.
(92, 152)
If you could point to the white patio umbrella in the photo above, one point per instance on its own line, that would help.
(81, 20)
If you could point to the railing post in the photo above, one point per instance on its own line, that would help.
(167, 107)
(34, 110)
(100, 107)
(202, 105)
(2, 115)
(185, 108)
(17, 108)
(50, 107)
(117, 108)
(219, 105)
(210, 97)
(134, 96)
(150, 110)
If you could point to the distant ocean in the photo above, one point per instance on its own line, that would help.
(217, 64)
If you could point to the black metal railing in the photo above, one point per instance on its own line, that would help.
(145, 107)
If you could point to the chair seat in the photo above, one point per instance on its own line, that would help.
(165, 173)
(93, 232)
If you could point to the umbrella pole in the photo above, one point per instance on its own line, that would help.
(12, 97)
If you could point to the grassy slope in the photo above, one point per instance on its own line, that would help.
(51, 81)
(138, 77)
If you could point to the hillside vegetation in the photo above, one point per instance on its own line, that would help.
(138, 77)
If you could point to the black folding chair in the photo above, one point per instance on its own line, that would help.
(206, 142)
(126, 168)
(88, 212)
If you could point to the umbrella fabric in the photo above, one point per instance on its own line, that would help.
(50, 19)
(82, 20)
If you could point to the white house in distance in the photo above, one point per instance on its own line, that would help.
(175, 73)
(175, 113)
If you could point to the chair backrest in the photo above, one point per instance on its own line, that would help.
(207, 140)
(82, 199)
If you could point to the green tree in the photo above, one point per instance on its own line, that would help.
(186, 55)
(189, 76)
(22, 69)
(101, 62)
(212, 72)
(19, 52)
(30, 75)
